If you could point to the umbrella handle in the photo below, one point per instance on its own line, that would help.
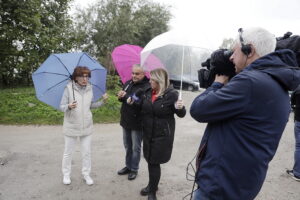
(182, 60)
(180, 95)
(73, 91)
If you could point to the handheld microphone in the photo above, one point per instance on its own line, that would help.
(136, 96)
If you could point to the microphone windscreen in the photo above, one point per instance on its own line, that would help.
(138, 92)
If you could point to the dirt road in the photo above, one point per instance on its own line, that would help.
(31, 165)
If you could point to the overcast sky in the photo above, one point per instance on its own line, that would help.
(222, 18)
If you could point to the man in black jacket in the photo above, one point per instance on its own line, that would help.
(131, 121)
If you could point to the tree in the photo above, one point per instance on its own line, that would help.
(110, 23)
(30, 30)
(227, 43)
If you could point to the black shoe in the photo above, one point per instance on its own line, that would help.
(124, 171)
(132, 175)
(146, 191)
(152, 196)
(291, 173)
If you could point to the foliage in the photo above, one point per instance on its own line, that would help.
(110, 23)
(110, 112)
(30, 31)
(20, 106)
(113, 82)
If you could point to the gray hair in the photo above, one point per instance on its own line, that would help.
(262, 40)
(160, 76)
(138, 66)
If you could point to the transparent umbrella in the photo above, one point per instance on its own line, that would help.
(180, 52)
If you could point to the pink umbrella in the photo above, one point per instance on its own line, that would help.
(126, 55)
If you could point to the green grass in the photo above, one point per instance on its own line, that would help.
(19, 106)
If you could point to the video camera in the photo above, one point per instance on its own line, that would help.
(218, 63)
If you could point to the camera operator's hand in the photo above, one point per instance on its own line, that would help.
(221, 79)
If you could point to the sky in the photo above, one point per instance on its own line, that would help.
(221, 19)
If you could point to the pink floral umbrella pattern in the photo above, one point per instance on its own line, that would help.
(126, 55)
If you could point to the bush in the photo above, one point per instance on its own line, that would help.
(113, 83)
(110, 112)
(20, 106)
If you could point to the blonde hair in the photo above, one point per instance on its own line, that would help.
(160, 76)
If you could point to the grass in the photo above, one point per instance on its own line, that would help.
(19, 106)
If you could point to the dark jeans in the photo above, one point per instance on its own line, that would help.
(296, 168)
(154, 176)
(132, 142)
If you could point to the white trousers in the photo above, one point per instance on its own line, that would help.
(70, 143)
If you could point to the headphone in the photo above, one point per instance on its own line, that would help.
(246, 48)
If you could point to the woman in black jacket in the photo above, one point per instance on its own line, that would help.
(158, 104)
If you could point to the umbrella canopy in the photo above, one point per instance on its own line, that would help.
(51, 78)
(126, 55)
(179, 52)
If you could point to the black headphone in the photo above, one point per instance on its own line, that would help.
(246, 48)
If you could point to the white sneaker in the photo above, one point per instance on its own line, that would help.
(88, 180)
(67, 180)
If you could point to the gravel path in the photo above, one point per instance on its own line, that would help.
(30, 165)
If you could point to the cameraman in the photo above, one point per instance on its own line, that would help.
(246, 118)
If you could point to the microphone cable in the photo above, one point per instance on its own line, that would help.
(191, 176)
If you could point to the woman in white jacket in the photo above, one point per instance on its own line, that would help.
(78, 121)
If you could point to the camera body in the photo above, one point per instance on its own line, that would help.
(219, 64)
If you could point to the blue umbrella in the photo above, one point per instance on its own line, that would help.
(51, 78)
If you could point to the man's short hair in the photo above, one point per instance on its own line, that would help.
(262, 40)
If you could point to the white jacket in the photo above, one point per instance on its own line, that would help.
(78, 121)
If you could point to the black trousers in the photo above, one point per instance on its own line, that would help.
(154, 176)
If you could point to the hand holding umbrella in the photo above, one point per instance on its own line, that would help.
(179, 104)
(105, 97)
(72, 105)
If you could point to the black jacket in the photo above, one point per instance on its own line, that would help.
(159, 125)
(130, 115)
